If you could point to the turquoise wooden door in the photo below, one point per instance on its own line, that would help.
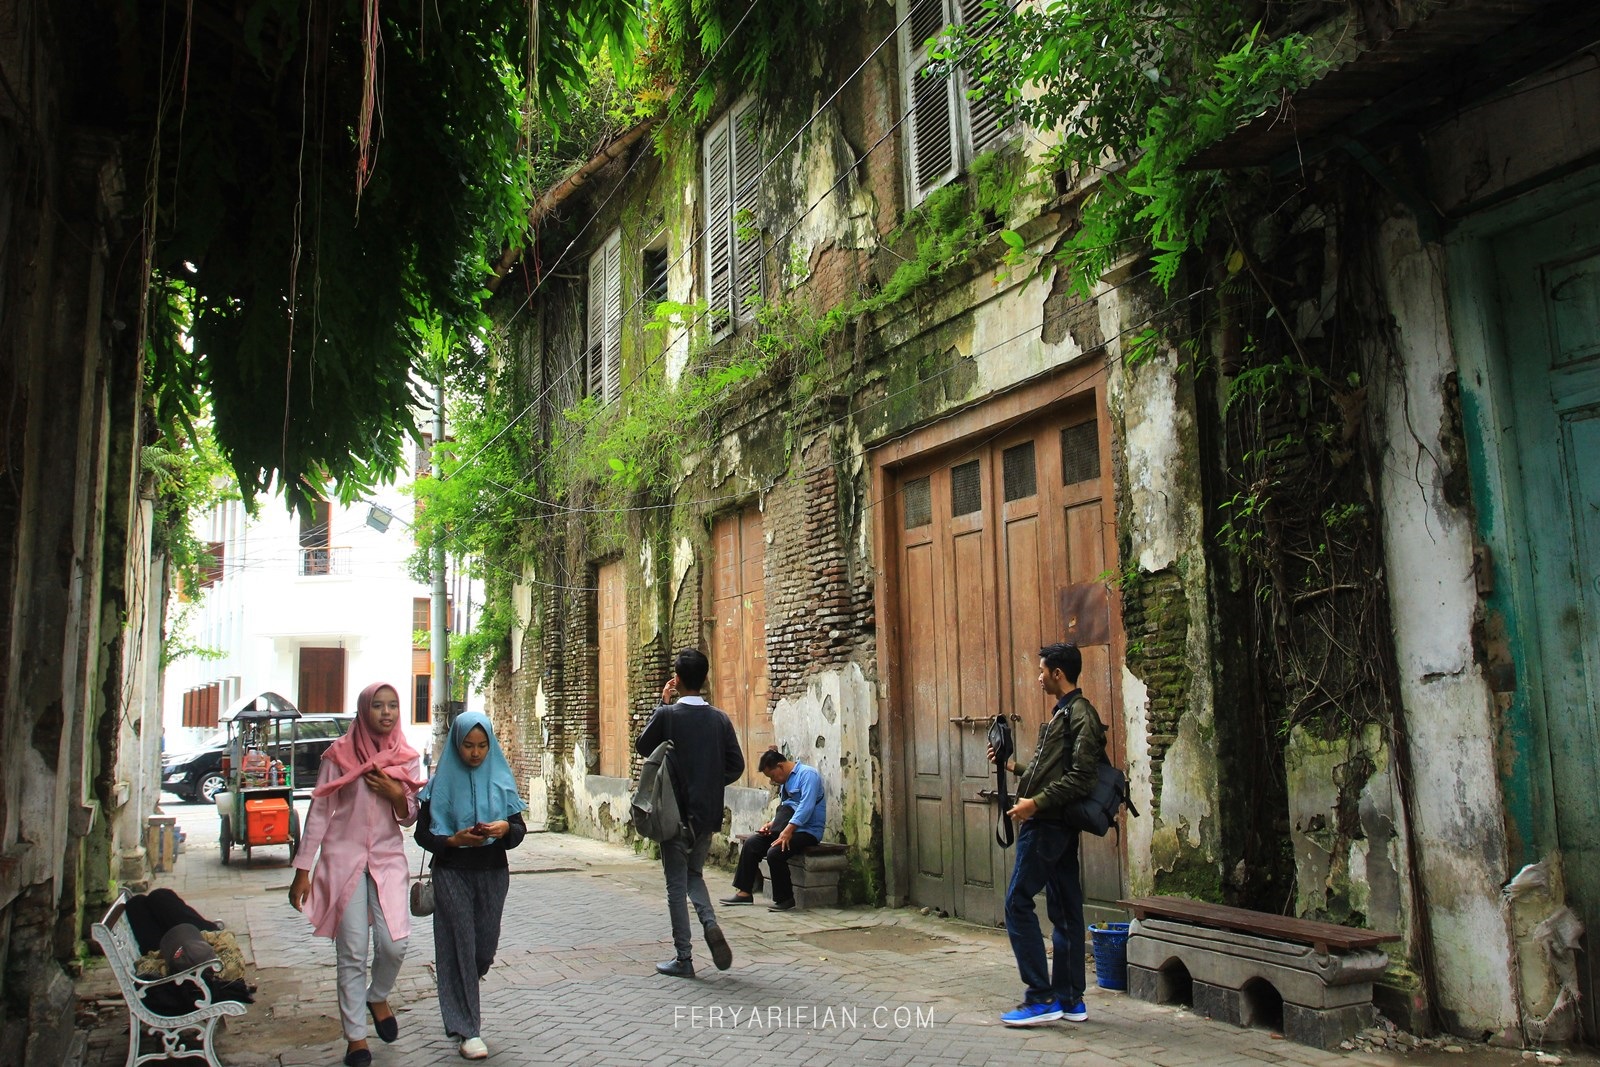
(1550, 291)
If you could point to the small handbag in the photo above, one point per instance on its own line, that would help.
(422, 893)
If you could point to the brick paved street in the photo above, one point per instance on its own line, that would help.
(575, 983)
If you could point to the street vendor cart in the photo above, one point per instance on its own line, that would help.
(257, 806)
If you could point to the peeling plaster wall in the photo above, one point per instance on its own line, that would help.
(1449, 715)
(1349, 864)
(829, 725)
(1167, 693)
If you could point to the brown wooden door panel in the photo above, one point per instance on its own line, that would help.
(321, 681)
(739, 643)
(1006, 538)
(615, 754)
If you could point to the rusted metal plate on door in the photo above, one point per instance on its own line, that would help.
(1086, 614)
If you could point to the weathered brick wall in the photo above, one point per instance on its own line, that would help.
(511, 695)
(818, 612)
(1155, 616)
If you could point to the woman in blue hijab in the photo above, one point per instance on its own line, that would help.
(470, 815)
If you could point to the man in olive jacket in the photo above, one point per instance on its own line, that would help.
(1062, 769)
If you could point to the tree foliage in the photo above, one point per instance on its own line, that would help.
(310, 296)
(1125, 93)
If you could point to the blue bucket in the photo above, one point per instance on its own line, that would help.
(1110, 944)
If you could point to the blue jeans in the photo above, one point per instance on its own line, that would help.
(1047, 858)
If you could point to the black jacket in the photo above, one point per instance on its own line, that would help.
(705, 758)
(486, 857)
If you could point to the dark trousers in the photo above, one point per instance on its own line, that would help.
(759, 845)
(1047, 858)
(468, 905)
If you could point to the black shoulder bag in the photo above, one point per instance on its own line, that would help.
(1004, 747)
(1097, 812)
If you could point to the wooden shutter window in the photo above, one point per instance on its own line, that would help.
(603, 352)
(930, 101)
(745, 142)
(611, 374)
(719, 229)
(984, 105)
(594, 345)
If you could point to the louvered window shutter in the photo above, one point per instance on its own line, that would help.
(594, 342)
(719, 229)
(931, 102)
(745, 129)
(984, 105)
(611, 376)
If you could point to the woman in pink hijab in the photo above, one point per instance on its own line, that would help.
(366, 791)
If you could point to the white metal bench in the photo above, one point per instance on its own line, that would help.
(116, 938)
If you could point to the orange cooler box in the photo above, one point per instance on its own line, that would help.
(266, 821)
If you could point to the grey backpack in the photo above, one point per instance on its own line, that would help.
(655, 803)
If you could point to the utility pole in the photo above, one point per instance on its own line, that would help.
(439, 685)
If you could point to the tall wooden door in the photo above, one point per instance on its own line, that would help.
(739, 645)
(322, 682)
(1550, 281)
(1003, 546)
(613, 641)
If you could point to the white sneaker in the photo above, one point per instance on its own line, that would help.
(473, 1048)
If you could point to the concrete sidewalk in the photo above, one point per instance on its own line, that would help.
(575, 983)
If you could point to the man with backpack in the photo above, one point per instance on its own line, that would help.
(1063, 769)
(705, 760)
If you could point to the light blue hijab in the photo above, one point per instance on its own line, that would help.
(460, 796)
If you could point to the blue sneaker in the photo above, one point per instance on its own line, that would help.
(1074, 1013)
(1033, 1014)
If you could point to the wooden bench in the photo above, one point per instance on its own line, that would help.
(1311, 979)
(814, 874)
(116, 939)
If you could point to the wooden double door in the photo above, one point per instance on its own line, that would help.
(1004, 546)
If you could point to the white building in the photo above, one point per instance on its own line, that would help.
(315, 608)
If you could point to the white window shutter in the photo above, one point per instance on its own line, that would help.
(719, 229)
(594, 341)
(611, 375)
(984, 105)
(931, 102)
(745, 128)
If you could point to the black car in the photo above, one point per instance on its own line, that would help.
(197, 775)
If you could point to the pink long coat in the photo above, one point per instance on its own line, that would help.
(356, 831)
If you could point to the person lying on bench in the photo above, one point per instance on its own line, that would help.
(802, 814)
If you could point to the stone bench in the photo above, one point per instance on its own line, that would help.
(815, 874)
(1312, 979)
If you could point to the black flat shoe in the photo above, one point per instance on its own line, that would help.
(358, 1057)
(781, 905)
(676, 968)
(733, 900)
(721, 954)
(388, 1029)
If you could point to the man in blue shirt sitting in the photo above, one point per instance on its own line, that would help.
(802, 814)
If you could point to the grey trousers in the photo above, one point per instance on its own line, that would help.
(683, 860)
(467, 907)
(363, 916)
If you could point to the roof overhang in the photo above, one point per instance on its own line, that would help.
(1457, 55)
